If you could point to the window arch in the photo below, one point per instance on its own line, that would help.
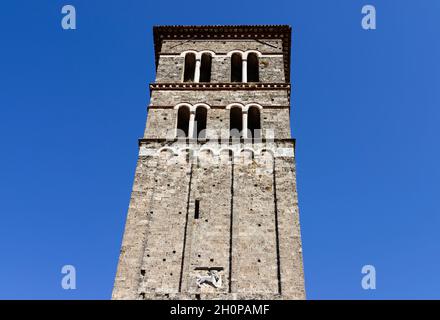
(253, 68)
(190, 67)
(235, 122)
(183, 116)
(205, 67)
(200, 122)
(236, 68)
(254, 122)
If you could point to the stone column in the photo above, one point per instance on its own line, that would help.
(244, 70)
(245, 127)
(192, 117)
(197, 70)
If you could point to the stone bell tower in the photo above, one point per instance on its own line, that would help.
(213, 211)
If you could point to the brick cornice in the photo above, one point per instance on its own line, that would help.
(219, 106)
(219, 86)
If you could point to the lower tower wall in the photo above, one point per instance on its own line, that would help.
(246, 228)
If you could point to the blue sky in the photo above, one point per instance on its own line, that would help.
(366, 114)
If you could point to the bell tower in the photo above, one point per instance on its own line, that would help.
(214, 211)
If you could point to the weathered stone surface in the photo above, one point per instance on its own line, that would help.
(221, 46)
(162, 122)
(247, 228)
(170, 68)
(220, 97)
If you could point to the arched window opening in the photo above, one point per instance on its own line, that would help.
(254, 124)
(190, 67)
(235, 122)
(200, 122)
(205, 68)
(183, 121)
(236, 68)
(253, 68)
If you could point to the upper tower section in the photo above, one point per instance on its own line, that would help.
(222, 54)
(215, 80)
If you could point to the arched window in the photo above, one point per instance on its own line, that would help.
(235, 122)
(236, 68)
(190, 67)
(252, 68)
(200, 122)
(254, 123)
(205, 68)
(183, 121)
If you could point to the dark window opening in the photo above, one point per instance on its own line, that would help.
(254, 123)
(236, 68)
(252, 68)
(183, 121)
(200, 122)
(190, 67)
(236, 122)
(188, 156)
(197, 210)
(231, 156)
(205, 68)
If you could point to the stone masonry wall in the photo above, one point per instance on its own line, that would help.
(171, 64)
(170, 69)
(292, 274)
(162, 122)
(209, 236)
(221, 46)
(248, 224)
(254, 245)
(220, 97)
(135, 235)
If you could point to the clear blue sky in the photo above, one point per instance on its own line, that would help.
(366, 115)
